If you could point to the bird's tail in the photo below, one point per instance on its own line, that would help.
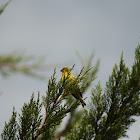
(83, 103)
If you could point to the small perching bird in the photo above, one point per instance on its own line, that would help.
(67, 75)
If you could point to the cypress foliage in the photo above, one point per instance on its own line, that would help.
(107, 117)
(11, 128)
(111, 112)
(2, 8)
(30, 118)
(18, 62)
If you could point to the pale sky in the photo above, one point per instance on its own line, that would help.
(57, 29)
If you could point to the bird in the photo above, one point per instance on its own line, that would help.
(68, 75)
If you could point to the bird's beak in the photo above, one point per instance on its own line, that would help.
(61, 70)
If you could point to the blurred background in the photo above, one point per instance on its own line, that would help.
(57, 30)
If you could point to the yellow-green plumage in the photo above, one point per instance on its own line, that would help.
(76, 93)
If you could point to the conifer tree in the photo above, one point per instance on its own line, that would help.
(108, 115)
(18, 62)
(111, 111)
(2, 7)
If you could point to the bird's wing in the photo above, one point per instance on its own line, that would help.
(73, 77)
(79, 92)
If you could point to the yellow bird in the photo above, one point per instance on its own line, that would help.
(67, 75)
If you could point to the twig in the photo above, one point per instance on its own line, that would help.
(47, 114)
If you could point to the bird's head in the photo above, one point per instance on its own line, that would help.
(65, 69)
